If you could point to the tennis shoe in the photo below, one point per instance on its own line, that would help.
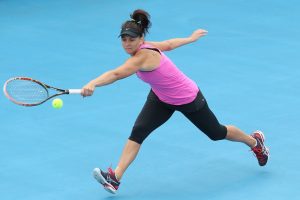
(260, 150)
(107, 179)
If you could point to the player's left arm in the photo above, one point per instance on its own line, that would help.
(131, 66)
(168, 45)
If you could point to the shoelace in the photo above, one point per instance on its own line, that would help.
(111, 176)
(110, 170)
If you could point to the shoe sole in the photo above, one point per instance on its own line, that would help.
(268, 153)
(107, 186)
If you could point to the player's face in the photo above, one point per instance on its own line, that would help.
(131, 45)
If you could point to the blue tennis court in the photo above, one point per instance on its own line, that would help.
(247, 67)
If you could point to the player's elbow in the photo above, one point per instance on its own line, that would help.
(168, 46)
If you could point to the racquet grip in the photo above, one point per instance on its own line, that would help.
(74, 91)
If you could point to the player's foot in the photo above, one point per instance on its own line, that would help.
(107, 179)
(260, 150)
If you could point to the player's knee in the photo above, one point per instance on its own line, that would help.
(136, 139)
(138, 134)
(216, 138)
(218, 134)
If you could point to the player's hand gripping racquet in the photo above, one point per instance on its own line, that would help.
(26, 91)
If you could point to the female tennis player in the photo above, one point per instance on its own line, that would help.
(171, 90)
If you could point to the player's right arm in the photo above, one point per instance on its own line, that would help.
(174, 43)
(131, 66)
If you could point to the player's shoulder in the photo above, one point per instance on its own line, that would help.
(161, 46)
(150, 44)
(148, 53)
(140, 56)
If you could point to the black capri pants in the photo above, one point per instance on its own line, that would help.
(155, 113)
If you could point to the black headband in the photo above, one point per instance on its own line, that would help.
(132, 32)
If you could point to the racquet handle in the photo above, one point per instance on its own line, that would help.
(74, 91)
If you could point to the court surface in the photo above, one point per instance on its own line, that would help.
(247, 67)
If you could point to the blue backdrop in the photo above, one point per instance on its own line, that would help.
(247, 67)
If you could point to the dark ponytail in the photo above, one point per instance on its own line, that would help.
(139, 24)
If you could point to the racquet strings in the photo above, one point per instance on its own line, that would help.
(27, 92)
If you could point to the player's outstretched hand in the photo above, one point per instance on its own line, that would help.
(88, 89)
(197, 34)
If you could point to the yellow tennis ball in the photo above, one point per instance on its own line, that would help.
(57, 103)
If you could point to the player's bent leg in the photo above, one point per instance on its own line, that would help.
(206, 121)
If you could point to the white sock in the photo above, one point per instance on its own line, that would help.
(117, 177)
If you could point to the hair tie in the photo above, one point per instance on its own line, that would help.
(137, 22)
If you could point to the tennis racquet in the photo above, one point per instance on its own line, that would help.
(26, 91)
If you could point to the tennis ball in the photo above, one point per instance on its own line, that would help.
(57, 103)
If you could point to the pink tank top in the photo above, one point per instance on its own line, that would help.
(168, 82)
